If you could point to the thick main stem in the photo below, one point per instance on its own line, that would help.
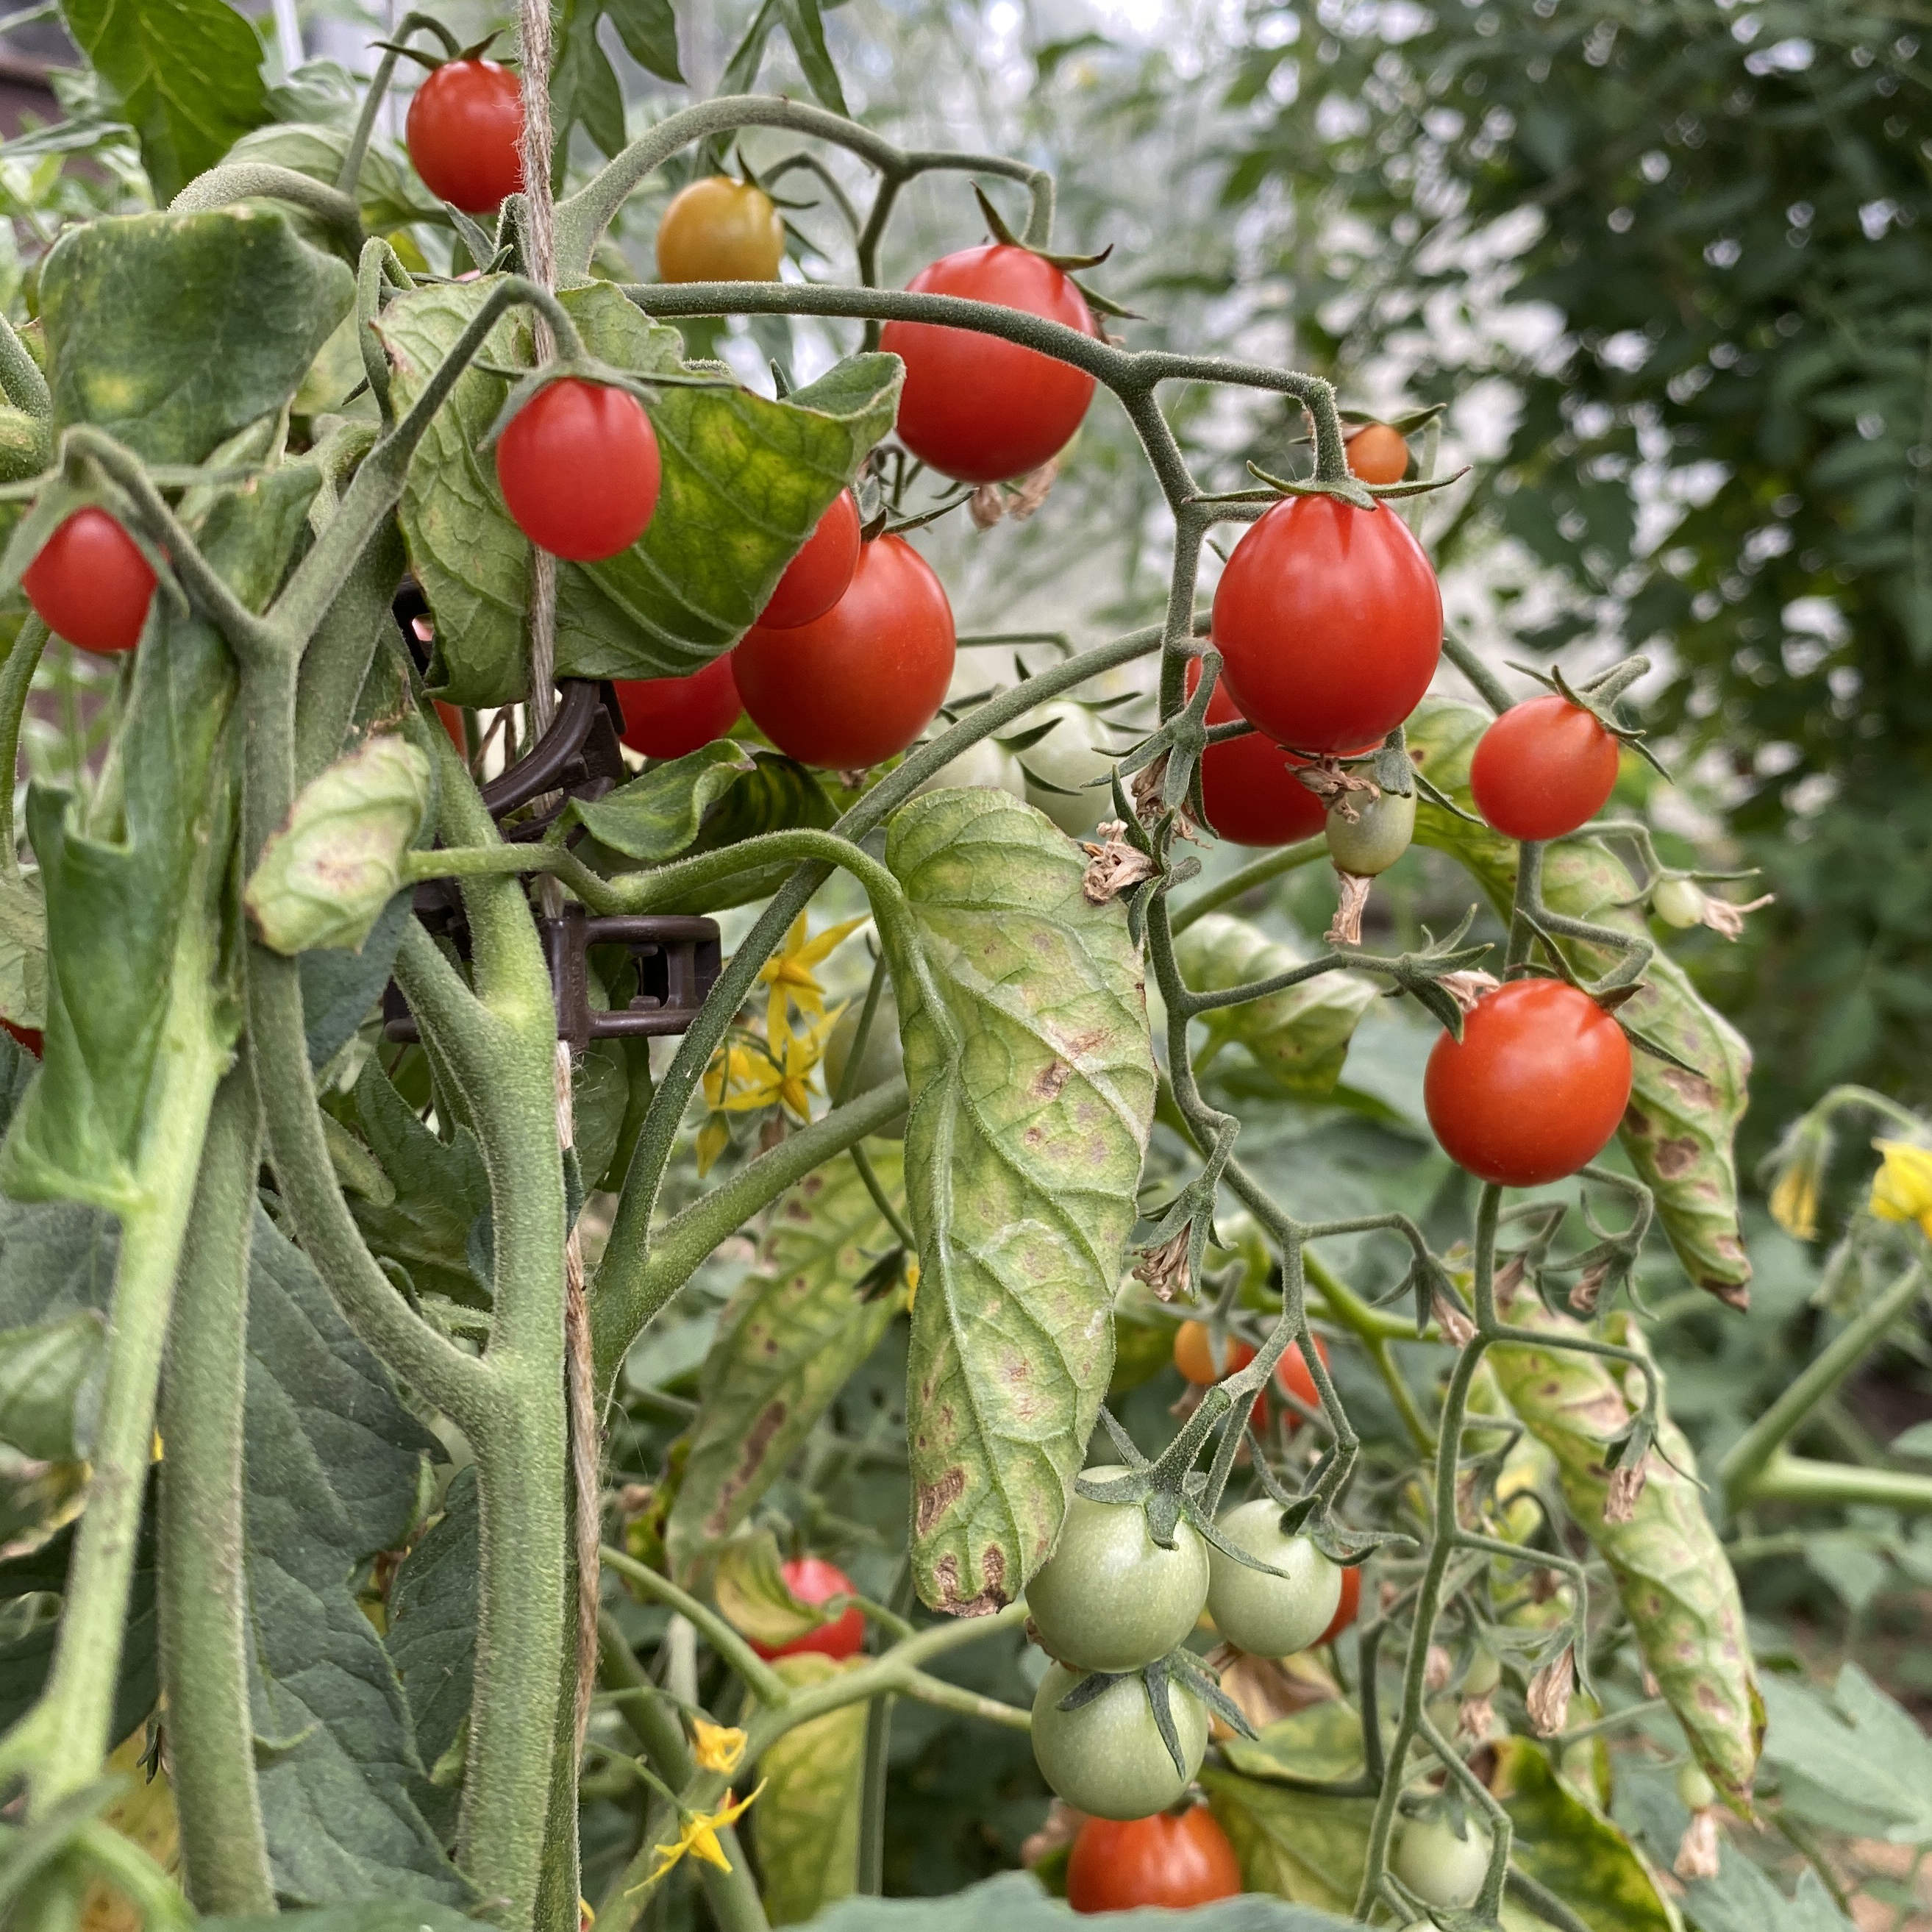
(203, 1586)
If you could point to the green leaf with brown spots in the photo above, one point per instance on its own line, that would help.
(1299, 1037)
(1681, 1127)
(1672, 1574)
(806, 1822)
(788, 1339)
(1570, 1847)
(1032, 1095)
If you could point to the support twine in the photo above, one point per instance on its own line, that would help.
(539, 242)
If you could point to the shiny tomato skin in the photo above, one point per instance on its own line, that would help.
(1377, 453)
(667, 717)
(90, 584)
(578, 467)
(465, 132)
(1329, 622)
(29, 1037)
(1543, 768)
(977, 407)
(720, 230)
(1534, 1088)
(1248, 784)
(811, 1580)
(860, 683)
(1172, 1859)
(1346, 1611)
(819, 575)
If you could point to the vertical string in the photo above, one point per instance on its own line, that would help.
(539, 241)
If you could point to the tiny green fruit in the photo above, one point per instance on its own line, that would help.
(1695, 1791)
(1378, 835)
(1270, 1615)
(1678, 902)
(1107, 1757)
(1439, 1867)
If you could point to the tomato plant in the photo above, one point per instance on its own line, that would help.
(1534, 1088)
(1174, 1859)
(523, 1194)
(667, 717)
(720, 230)
(578, 467)
(90, 584)
(465, 130)
(1545, 767)
(1329, 622)
(977, 408)
(812, 1580)
(820, 574)
(860, 683)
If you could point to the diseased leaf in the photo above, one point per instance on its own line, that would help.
(1671, 1571)
(745, 480)
(657, 815)
(1022, 1155)
(188, 74)
(1323, 1741)
(1296, 1844)
(1561, 1842)
(787, 1340)
(806, 1823)
(752, 1594)
(1680, 1128)
(332, 1461)
(326, 874)
(173, 331)
(1299, 1038)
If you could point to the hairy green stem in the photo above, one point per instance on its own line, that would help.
(203, 1582)
(233, 181)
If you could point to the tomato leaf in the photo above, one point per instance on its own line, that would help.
(807, 32)
(1014, 1902)
(188, 74)
(745, 480)
(1022, 1155)
(787, 1341)
(1296, 1844)
(752, 1592)
(1853, 1762)
(1680, 1126)
(1671, 1572)
(432, 1632)
(333, 1463)
(1298, 1038)
(173, 331)
(807, 1823)
(385, 189)
(657, 815)
(48, 1384)
(1572, 1848)
(777, 794)
(584, 90)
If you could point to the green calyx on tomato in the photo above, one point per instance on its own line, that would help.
(1105, 1747)
(1110, 1598)
(1282, 1608)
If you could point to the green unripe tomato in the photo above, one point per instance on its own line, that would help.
(1380, 835)
(881, 1061)
(1109, 1598)
(986, 764)
(1695, 1791)
(1265, 1615)
(1439, 1868)
(1678, 902)
(1107, 1758)
(1067, 757)
(1483, 1675)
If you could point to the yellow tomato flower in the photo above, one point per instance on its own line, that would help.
(1794, 1198)
(1902, 1188)
(716, 1747)
(789, 973)
(713, 1138)
(782, 1078)
(699, 1836)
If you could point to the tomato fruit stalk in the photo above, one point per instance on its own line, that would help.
(577, 465)
(90, 584)
(465, 134)
(1174, 1859)
(977, 408)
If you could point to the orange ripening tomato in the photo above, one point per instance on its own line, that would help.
(1291, 1376)
(1174, 1859)
(1377, 453)
(720, 230)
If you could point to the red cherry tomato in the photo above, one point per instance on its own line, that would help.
(862, 681)
(578, 468)
(1329, 622)
(812, 1580)
(977, 407)
(1172, 1859)
(1248, 784)
(1543, 768)
(1291, 1375)
(817, 578)
(465, 132)
(450, 717)
(666, 717)
(90, 584)
(1346, 1610)
(1534, 1088)
(29, 1037)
